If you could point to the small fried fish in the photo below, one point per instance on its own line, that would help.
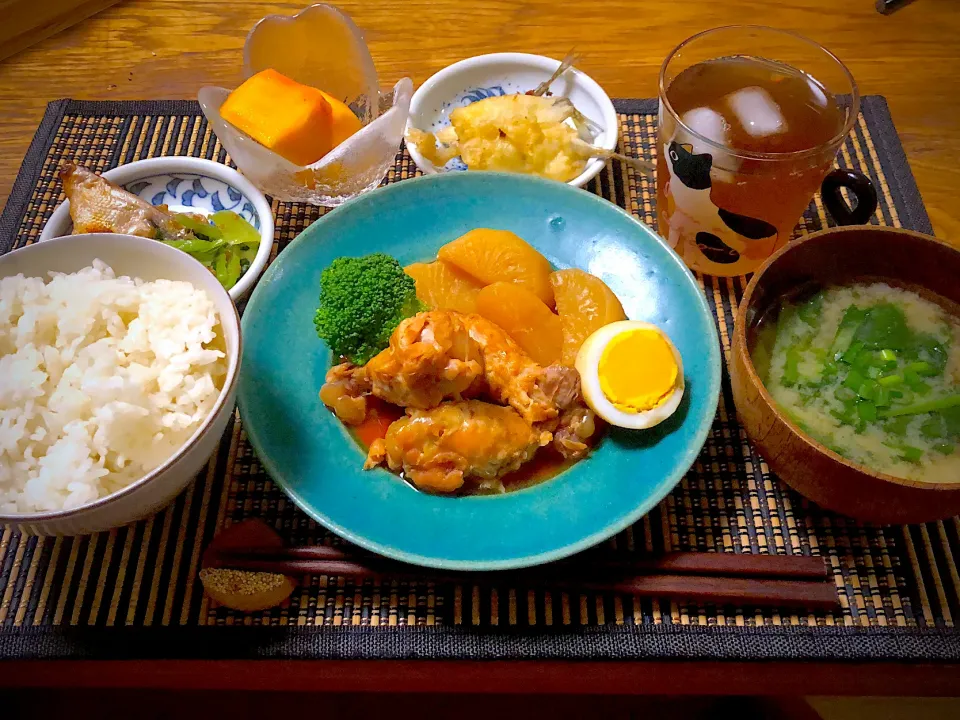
(97, 205)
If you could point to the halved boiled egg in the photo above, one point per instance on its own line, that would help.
(631, 374)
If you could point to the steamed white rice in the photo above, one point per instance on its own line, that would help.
(102, 379)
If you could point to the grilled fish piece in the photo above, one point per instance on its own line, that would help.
(98, 205)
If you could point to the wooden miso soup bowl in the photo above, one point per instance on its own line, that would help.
(840, 256)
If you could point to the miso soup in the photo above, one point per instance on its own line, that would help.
(872, 372)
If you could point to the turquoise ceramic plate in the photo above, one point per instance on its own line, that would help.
(310, 455)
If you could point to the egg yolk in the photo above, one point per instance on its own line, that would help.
(637, 370)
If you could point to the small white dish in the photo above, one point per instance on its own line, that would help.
(484, 76)
(188, 184)
(150, 260)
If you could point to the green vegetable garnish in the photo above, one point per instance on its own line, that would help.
(867, 411)
(923, 368)
(236, 230)
(852, 353)
(867, 389)
(885, 326)
(809, 312)
(220, 270)
(881, 397)
(195, 246)
(932, 427)
(910, 453)
(854, 381)
(881, 379)
(233, 268)
(198, 227)
(852, 317)
(791, 371)
(897, 426)
(362, 300)
(844, 394)
(951, 417)
(929, 350)
(227, 246)
(943, 403)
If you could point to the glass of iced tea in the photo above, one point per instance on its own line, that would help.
(751, 119)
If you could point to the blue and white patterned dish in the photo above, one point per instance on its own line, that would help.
(485, 76)
(186, 184)
(190, 192)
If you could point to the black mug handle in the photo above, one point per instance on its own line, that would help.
(862, 189)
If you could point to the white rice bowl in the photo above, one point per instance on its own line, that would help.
(102, 379)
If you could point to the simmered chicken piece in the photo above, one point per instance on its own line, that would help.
(431, 358)
(345, 392)
(444, 355)
(438, 366)
(438, 449)
(576, 423)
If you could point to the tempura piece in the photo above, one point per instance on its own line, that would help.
(511, 133)
(438, 449)
(432, 148)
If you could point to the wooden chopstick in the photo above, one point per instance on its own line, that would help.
(721, 578)
(796, 567)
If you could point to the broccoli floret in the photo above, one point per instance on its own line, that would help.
(362, 300)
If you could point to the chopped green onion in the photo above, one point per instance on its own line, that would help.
(791, 369)
(944, 448)
(844, 394)
(950, 401)
(867, 389)
(897, 426)
(852, 318)
(882, 397)
(910, 453)
(809, 311)
(853, 380)
(867, 411)
(889, 381)
(923, 368)
(888, 355)
(851, 353)
(932, 427)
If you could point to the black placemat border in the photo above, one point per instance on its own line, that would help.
(632, 642)
(893, 161)
(29, 173)
(663, 642)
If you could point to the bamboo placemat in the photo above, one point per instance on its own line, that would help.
(133, 592)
